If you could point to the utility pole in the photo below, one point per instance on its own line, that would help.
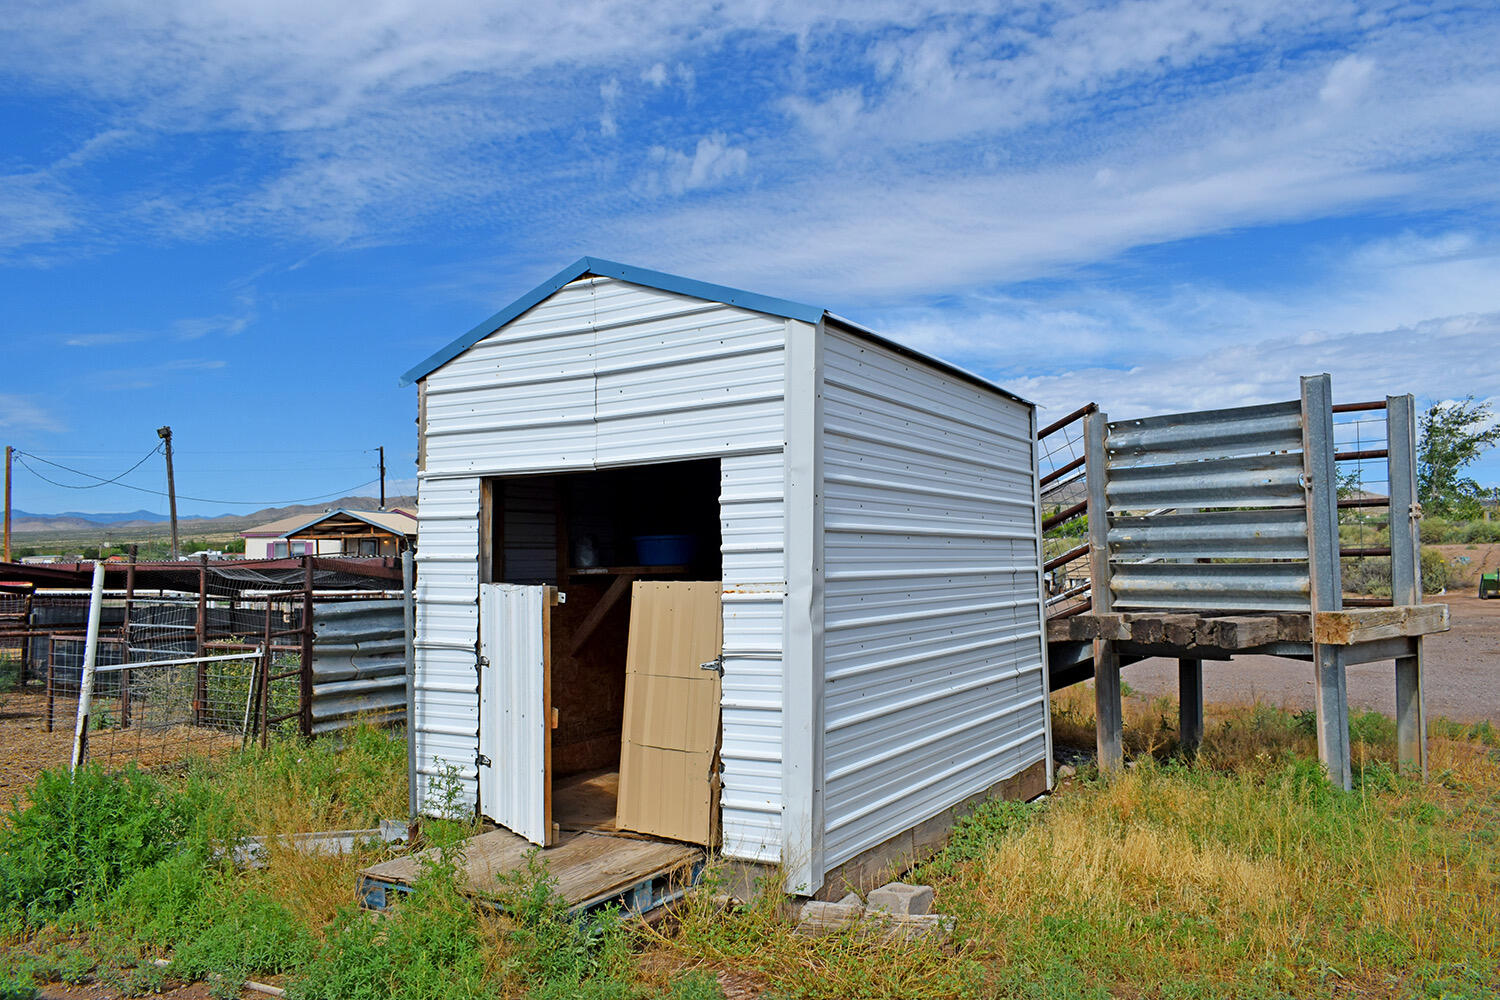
(381, 449)
(165, 433)
(8, 450)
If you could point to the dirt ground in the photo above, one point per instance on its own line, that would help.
(27, 747)
(1461, 671)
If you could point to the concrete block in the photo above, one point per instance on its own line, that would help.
(850, 899)
(921, 927)
(820, 918)
(900, 898)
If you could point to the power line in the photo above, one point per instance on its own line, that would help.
(92, 486)
(22, 456)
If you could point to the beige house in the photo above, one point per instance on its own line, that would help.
(359, 532)
(333, 533)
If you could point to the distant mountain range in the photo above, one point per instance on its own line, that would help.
(141, 525)
(134, 516)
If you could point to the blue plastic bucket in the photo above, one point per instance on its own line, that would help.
(664, 550)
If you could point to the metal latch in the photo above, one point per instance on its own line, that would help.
(716, 664)
(480, 760)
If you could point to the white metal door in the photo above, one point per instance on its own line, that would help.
(515, 739)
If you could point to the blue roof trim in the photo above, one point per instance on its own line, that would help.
(625, 272)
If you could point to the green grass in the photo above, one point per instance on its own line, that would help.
(1243, 873)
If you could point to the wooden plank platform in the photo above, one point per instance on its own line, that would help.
(1229, 633)
(590, 869)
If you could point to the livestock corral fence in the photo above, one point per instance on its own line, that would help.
(196, 660)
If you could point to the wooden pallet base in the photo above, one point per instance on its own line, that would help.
(590, 871)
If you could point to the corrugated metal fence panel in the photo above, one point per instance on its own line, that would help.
(359, 663)
(512, 709)
(753, 512)
(933, 657)
(522, 399)
(1248, 549)
(447, 685)
(678, 377)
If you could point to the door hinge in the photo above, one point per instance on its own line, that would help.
(484, 661)
(480, 760)
(716, 664)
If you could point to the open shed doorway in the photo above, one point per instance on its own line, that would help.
(593, 535)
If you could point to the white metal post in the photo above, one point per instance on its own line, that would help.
(90, 658)
(410, 616)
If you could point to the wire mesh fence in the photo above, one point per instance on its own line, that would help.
(1064, 492)
(181, 674)
(1361, 448)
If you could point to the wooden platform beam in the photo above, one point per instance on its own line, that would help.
(1229, 632)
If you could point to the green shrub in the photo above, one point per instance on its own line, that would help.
(81, 837)
(239, 933)
(567, 956)
(1434, 571)
(1367, 575)
(428, 948)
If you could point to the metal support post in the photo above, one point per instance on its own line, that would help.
(1406, 577)
(86, 676)
(1331, 701)
(125, 638)
(1109, 718)
(200, 636)
(408, 574)
(265, 679)
(1190, 705)
(51, 680)
(305, 676)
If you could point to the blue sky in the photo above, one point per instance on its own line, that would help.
(247, 220)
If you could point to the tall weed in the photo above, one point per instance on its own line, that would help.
(81, 836)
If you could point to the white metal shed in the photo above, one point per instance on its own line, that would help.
(878, 542)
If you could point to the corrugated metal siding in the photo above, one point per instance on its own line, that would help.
(608, 373)
(934, 687)
(1245, 464)
(682, 378)
(522, 399)
(359, 663)
(753, 515)
(447, 684)
(512, 709)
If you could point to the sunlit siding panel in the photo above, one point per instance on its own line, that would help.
(447, 685)
(752, 509)
(933, 684)
(521, 399)
(678, 377)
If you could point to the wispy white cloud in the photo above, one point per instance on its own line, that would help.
(370, 121)
(20, 413)
(1416, 359)
(714, 161)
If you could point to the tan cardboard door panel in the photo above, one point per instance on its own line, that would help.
(670, 738)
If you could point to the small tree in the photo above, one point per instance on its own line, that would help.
(1454, 435)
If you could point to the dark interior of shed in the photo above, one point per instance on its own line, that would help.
(592, 535)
